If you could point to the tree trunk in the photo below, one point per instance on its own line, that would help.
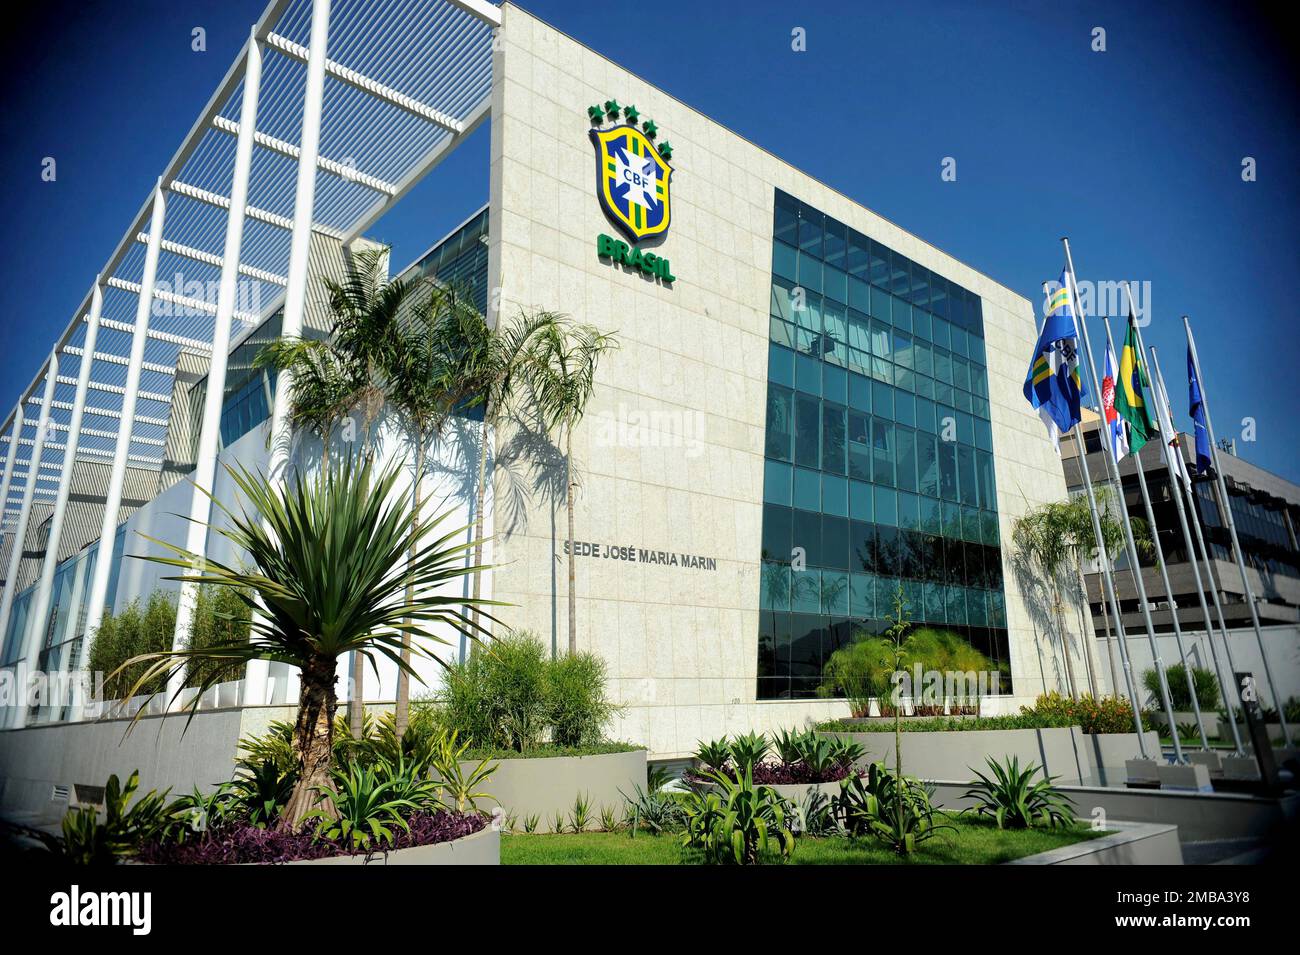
(1090, 638)
(357, 699)
(313, 743)
(1065, 641)
(402, 709)
(479, 503)
(573, 573)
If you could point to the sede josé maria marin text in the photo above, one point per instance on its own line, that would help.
(641, 555)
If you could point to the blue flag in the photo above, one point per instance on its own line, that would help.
(1053, 385)
(1204, 460)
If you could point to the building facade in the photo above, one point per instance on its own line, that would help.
(809, 412)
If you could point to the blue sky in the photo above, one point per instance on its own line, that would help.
(1135, 153)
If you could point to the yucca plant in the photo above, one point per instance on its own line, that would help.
(328, 567)
(261, 791)
(531, 822)
(737, 822)
(459, 787)
(367, 808)
(846, 752)
(580, 817)
(1013, 798)
(609, 821)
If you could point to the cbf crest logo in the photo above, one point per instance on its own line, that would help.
(633, 177)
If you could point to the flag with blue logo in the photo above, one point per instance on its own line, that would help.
(1204, 459)
(1053, 385)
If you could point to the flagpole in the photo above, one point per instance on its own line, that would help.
(1112, 469)
(1160, 552)
(1179, 488)
(1226, 507)
(1108, 583)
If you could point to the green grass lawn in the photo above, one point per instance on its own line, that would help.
(973, 843)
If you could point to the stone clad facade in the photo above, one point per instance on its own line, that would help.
(671, 452)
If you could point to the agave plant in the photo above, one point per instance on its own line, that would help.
(653, 808)
(329, 570)
(261, 791)
(714, 754)
(1015, 800)
(737, 822)
(846, 752)
(787, 744)
(749, 749)
(818, 754)
(895, 810)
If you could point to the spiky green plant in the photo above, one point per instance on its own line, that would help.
(328, 567)
(1013, 798)
(735, 822)
(366, 808)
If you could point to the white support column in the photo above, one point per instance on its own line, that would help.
(40, 609)
(210, 433)
(295, 295)
(14, 437)
(117, 477)
(30, 650)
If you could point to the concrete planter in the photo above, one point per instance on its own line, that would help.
(1133, 844)
(797, 793)
(954, 755)
(546, 785)
(1110, 751)
(481, 848)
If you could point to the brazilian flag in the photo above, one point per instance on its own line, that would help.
(1133, 389)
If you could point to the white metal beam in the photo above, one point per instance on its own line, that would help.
(28, 656)
(38, 615)
(367, 85)
(209, 258)
(205, 461)
(295, 294)
(113, 498)
(284, 148)
(487, 12)
(421, 169)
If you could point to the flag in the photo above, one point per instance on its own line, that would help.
(1132, 389)
(1196, 408)
(1113, 423)
(1053, 385)
(1172, 439)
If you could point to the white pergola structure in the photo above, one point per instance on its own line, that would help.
(331, 113)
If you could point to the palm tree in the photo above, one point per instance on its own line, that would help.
(329, 570)
(491, 364)
(348, 370)
(1082, 544)
(563, 376)
(423, 389)
(1042, 541)
(322, 385)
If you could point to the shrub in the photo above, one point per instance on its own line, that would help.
(1110, 714)
(221, 617)
(512, 696)
(1207, 687)
(131, 632)
(862, 670)
(576, 701)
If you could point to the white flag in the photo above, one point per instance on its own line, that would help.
(1116, 433)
